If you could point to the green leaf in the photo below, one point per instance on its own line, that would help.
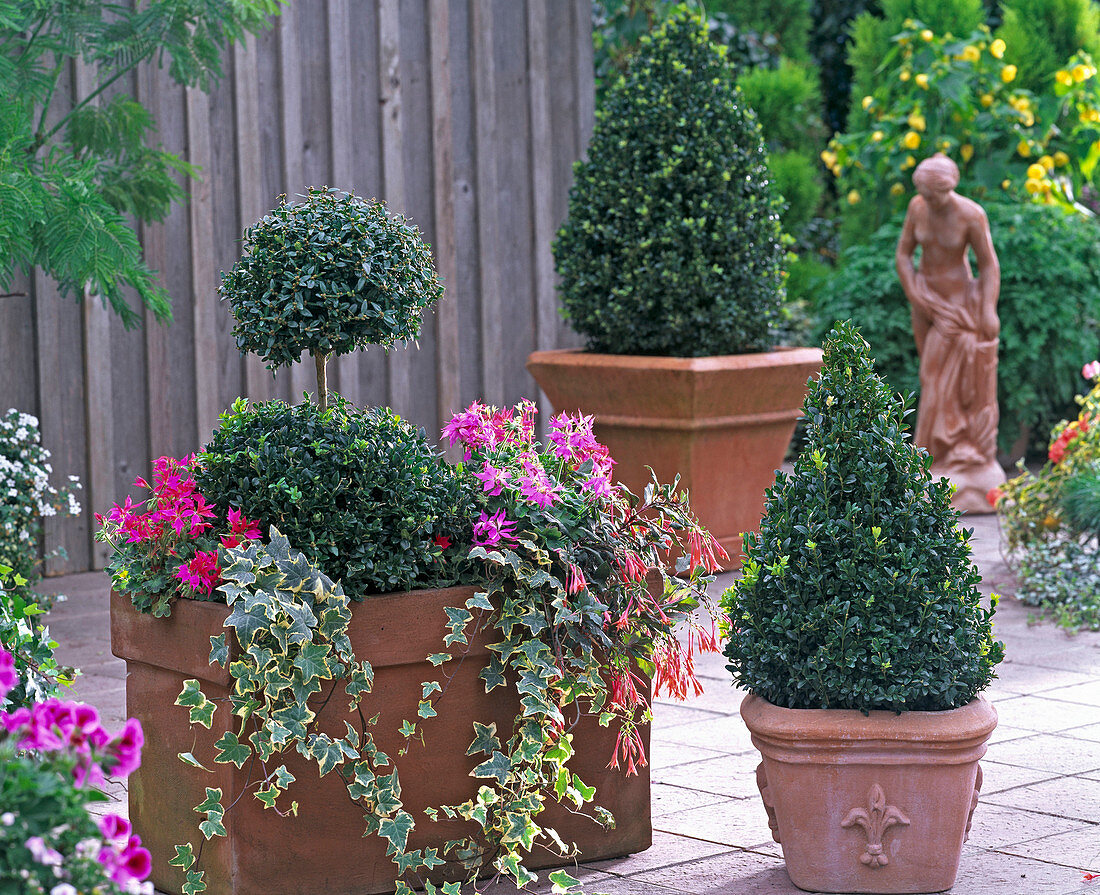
(562, 881)
(498, 766)
(184, 857)
(440, 658)
(425, 709)
(485, 739)
(219, 651)
(430, 687)
(479, 601)
(396, 829)
(188, 758)
(194, 884)
(230, 749)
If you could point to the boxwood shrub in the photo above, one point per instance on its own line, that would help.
(1049, 308)
(672, 244)
(361, 493)
(859, 592)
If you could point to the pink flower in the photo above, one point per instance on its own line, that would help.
(42, 853)
(114, 827)
(132, 862)
(125, 748)
(577, 580)
(572, 436)
(239, 525)
(598, 486)
(492, 479)
(1091, 370)
(538, 488)
(8, 675)
(495, 529)
(202, 573)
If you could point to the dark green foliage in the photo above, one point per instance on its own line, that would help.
(1041, 35)
(360, 493)
(1049, 308)
(329, 275)
(24, 636)
(1081, 502)
(70, 179)
(786, 22)
(672, 245)
(859, 592)
(832, 21)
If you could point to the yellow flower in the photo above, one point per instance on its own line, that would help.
(853, 197)
(1060, 159)
(877, 136)
(829, 158)
(966, 151)
(1063, 77)
(1032, 185)
(911, 140)
(997, 48)
(868, 101)
(1035, 171)
(1006, 183)
(905, 74)
(922, 81)
(1008, 74)
(1023, 148)
(908, 163)
(987, 100)
(1020, 103)
(945, 145)
(1090, 115)
(916, 121)
(1051, 521)
(1027, 119)
(970, 53)
(926, 35)
(1047, 162)
(897, 189)
(1080, 72)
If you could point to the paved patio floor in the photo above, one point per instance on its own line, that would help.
(1036, 831)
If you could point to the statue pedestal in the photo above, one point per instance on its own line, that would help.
(972, 481)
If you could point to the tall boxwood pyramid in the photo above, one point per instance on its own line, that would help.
(672, 245)
(859, 591)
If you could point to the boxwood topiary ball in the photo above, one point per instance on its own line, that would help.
(672, 245)
(329, 275)
(361, 493)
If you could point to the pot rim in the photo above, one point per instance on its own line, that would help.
(580, 357)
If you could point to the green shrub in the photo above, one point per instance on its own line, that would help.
(829, 42)
(1042, 34)
(1049, 308)
(360, 493)
(859, 592)
(786, 22)
(24, 636)
(672, 245)
(326, 276)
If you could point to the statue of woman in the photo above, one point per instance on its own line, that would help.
(956, 329)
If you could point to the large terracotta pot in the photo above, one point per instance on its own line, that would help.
(870, 803)
(322, 850)
(723, 424)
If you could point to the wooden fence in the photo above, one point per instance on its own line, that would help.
(464, 114)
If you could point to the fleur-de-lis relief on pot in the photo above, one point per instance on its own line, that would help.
(875, 823)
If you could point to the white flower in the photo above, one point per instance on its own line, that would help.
(7, 818)
(63, 889)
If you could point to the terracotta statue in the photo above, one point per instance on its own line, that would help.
(956, 329)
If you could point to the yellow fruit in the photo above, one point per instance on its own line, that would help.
(926, 35)
(997, 48)
(1080, 73)
(1032, 185)
(911, 140)
(1008, 74)
(1047, 162)
(966, 151)
(877, 136)
(916, 121)
(1035, 171)
(905, 74)
(897, 189)
(1023, 148)
(987, 100)
(853, 197)
(922, 81)
(1063, 77)
(1060, 159)
(868, 101)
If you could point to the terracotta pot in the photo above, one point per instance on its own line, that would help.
(322, 850)
(870, 803)
(723, 424)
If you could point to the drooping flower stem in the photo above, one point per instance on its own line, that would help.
(321, 360)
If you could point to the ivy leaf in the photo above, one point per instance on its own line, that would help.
(396, 829)
(194, 884)
(485, 739)
(184, 857)
(189, 759)
(439, 658)
(479, 601)
(563, 882)
(219, 650)
(425, 709)
(230, 749)
(498, 766)
(312, 661)
(493, 673)
(457, 620)
(430, 687)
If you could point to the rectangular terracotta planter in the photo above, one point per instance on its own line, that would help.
(322, 850)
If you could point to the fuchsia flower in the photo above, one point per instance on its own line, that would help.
(493, 479)
(577, 581)
(495, 529)
(125, 860)
(8, 675)
(202, 573)
(247, 528)
(537, 487)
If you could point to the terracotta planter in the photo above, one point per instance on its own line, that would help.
(723, 424)
(870, 803)
(322, 850)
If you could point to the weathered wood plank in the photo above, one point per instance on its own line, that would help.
(584, 73)
(19, 384)
(204, 298)
(482, 47)
(448, 367)
(259, 385)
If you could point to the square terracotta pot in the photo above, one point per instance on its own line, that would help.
(323, 850)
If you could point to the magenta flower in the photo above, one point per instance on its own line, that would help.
(1091, 370)
(202, 573)
(114, 827)
(598, 486)
(126, 748)
(572, 436)
(239, 525)
(8, 675)
(538, 488)
(495, 529)
(493, 479)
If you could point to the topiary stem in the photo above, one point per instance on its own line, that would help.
(322, 379)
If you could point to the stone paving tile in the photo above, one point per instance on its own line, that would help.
(668, 799)
(671, 714)
(726, 734)
(1088, 732)
(730, 775)
(1022, 678)
(1002, 733)
(1049, 752)
(1076, 797)
(738, 823)
(730, 873)
(664, 754)
(666, 850)
(1085, 693)
(719, 695)
(996, 827)
(998, 777)
(1045, 715)
(985, 872)
(1073, 848)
